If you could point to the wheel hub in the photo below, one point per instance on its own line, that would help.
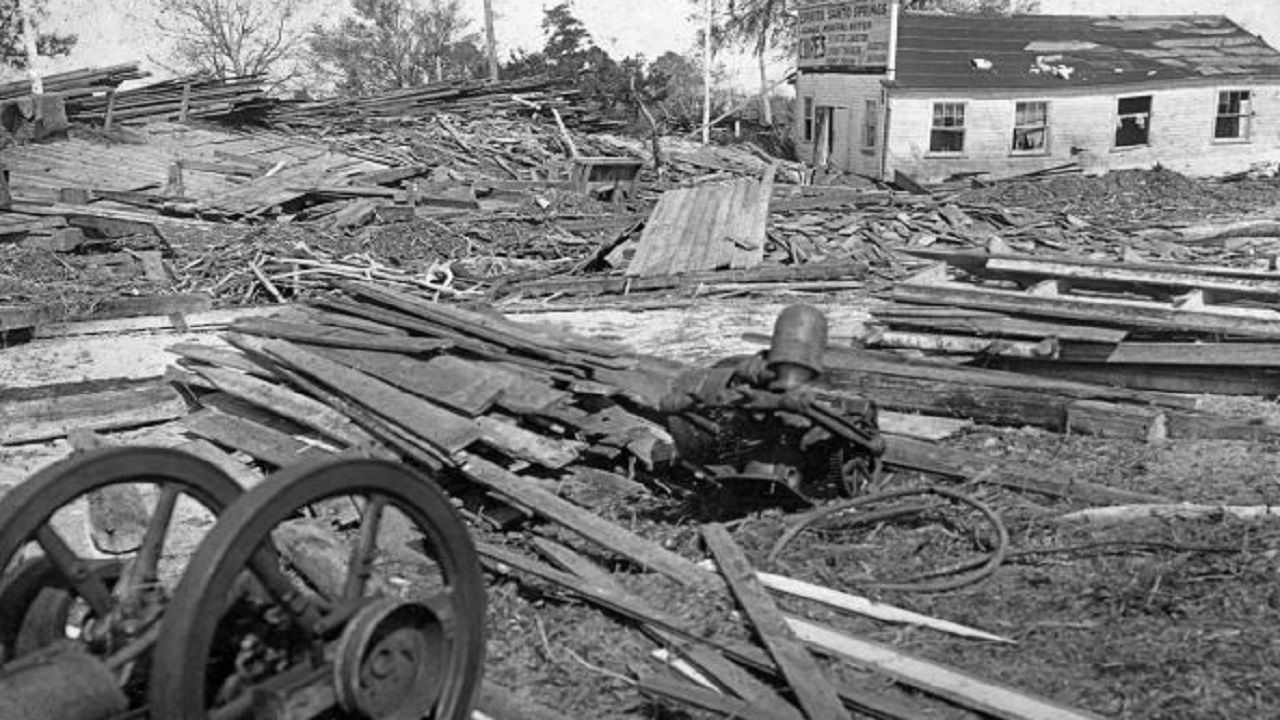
(383, 668)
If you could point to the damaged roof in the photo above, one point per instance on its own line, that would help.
(1058, 51)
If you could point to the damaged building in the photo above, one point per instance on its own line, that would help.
(939, 96)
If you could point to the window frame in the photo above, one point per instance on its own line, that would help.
(1120, 118)
(1243, 116)
(961, 129)
(808, 121)
(1043, 149)
(871, 125)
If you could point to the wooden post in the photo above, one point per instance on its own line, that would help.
(185, 110)
(109, 115)
(491, 44)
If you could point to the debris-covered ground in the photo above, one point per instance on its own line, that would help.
(1141, 617)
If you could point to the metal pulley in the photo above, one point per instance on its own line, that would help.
(246, 629)
(63, 682)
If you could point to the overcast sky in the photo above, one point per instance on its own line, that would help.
(114, 31)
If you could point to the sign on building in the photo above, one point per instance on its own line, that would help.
(848, 34)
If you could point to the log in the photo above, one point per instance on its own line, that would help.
(815, 695)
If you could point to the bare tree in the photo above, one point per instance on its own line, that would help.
(234, 38)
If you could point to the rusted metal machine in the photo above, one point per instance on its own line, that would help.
(279, 612)
(760, 419)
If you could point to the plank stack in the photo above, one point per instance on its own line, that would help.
(1172, 328)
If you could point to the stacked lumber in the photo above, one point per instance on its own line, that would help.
(234, 99)
(76, 83)
(1173, 328)
(472, 98)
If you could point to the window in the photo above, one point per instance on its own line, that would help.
(1133, 121)
(947, 135)
(1234, 115)
(808, 119)
(870, 124)
(1031, 127)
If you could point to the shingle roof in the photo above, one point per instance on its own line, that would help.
(1057, 51)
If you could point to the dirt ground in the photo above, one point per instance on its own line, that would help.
(1154, 619)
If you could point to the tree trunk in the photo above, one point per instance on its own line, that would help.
(766, 107)
(706, 71)
(491, 44)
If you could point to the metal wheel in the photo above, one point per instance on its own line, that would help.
(394, 632)
(109, 606)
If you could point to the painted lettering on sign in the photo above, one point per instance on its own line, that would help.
(852, 33)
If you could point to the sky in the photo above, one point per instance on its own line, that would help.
(116, 31)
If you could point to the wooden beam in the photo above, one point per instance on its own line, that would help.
(1119, 313)
(432, 423)
(589, 525)
(986, 697)
(506, 562)
(979, 322)
(253, 439)
(928, 457)
(729, 674)
(338, 337)
(23, 421)
(815, 695)
(1126, 276)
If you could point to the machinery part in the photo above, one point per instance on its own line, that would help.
(38, 603)
(59, 681)
(760, 418)
(799, 342)
(113, 595)
(383, 667)
(209, 662)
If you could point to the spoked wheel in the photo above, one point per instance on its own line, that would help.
(50, 591)
(258, 625)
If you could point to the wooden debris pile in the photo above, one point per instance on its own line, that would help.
(77, 83)
(470, 98)
(1171, 328)
(236, 99)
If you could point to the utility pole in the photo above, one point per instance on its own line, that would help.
(708, 7)
(490, 42)
(27, 10)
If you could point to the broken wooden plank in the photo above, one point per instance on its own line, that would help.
(815, 695)
(589, 525)
(285, 402)
(967, 690)
(703, 698)
(983, 323)
(1118, 313)
(445, 379)
(1129, 276)
(521, 444)
(253, 439)
(29, 420)
(961, 344)
(1172, 378)
(505, 562)
(928, 457)
(1112, 420)
(441, 427)
(338, 337)
(729, 674)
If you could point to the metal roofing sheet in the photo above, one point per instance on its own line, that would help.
(1058, 51)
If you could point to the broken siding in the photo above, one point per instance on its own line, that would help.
(1181, 133)
(849, 95)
